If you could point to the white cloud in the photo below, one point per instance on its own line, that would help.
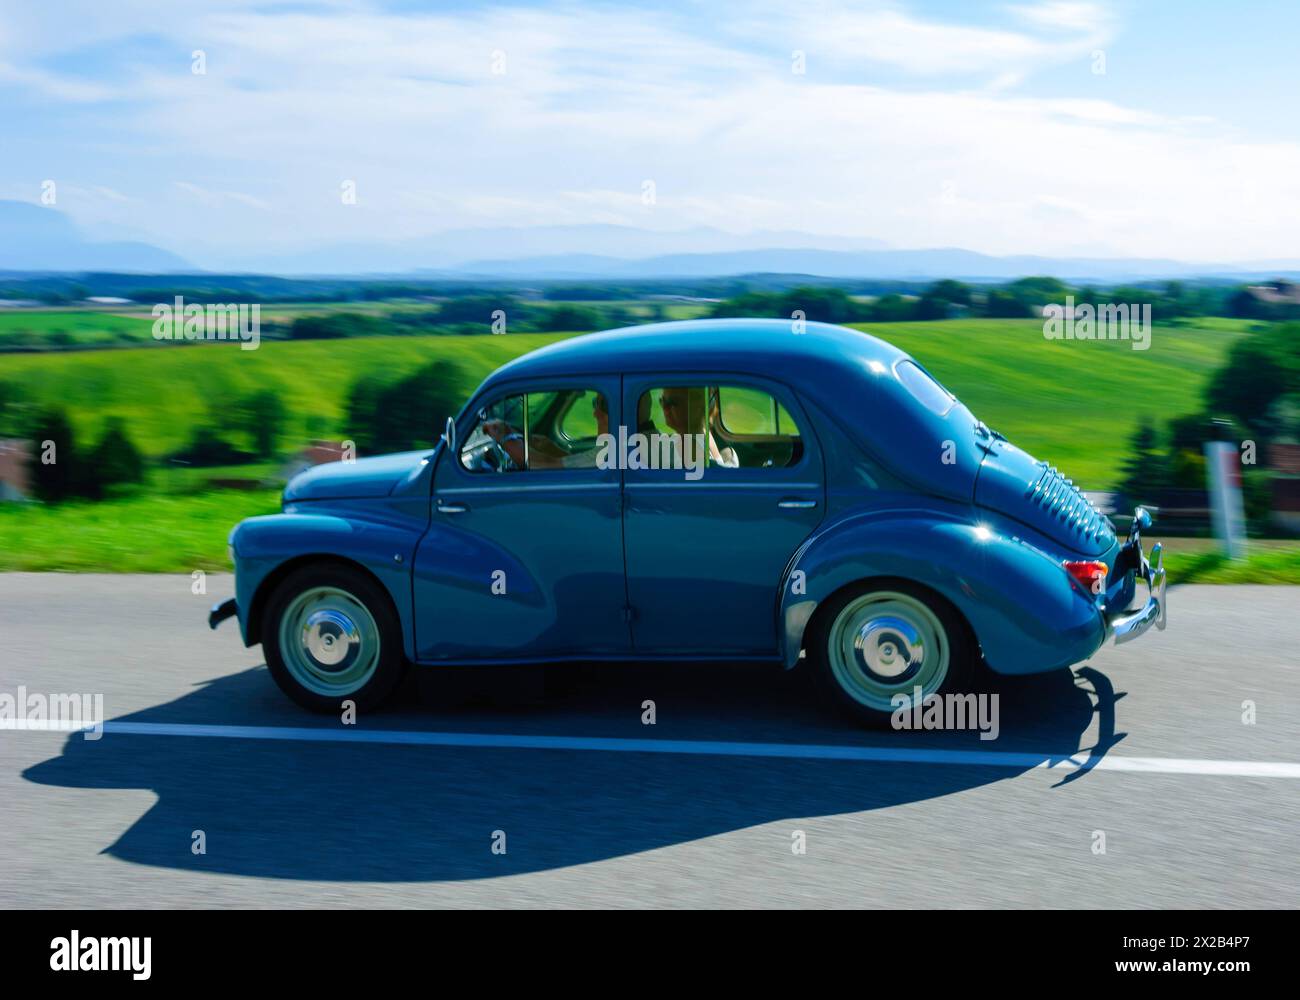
(921, 47)
(877, 32)
(51, 85)
(214, 199)
(595, 100)
(1086, 17)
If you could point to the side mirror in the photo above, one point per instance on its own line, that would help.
(1141, 521)
(449, 434)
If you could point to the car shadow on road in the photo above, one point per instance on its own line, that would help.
(367, 812)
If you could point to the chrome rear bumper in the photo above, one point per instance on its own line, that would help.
(1126, 626)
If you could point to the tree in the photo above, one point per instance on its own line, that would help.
(1243, 303)
(1001, 304)
(208, 448)
(569, 317)
(948, 290)
(417, 407)
(1258, 372)
(12, 401)
(822, 304)
(114, 461)
(1033, 293)
(53, 463)
(1145, 471)
(930, 307)
(262, 416)
(336, 325)
(763, 305)
(480, 311)
(892, 308)
(1187, 437)
(363, 409)
(406, 414)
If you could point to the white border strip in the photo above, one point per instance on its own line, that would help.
(797, 751)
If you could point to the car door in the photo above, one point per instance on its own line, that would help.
(525, 562)
(707, 547)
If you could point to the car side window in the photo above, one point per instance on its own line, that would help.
(578, 421)
(752, 412)
(530, 432)
(741, 427)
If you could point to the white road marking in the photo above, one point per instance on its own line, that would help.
(804, 751)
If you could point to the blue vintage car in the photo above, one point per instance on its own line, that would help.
(721, 489)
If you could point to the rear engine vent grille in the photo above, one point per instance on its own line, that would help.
(1060, 498)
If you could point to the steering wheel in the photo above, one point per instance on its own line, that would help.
(486, 454)
(501, 460)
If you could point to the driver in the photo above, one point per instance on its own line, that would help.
(542, 451)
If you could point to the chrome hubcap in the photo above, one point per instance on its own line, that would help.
(329, 641)
(887, 644)
(890, 647)
(330, 638)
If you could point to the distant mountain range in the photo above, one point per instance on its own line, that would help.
(589, 246)
(867, 264)
(36, 238)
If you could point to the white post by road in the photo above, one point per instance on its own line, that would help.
(1223, 479)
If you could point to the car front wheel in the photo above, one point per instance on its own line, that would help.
(873, 646)
(330, 635)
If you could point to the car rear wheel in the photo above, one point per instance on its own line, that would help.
(872, 644)
(331, 635)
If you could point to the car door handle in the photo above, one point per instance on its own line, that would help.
(789, 504)
(451, 508)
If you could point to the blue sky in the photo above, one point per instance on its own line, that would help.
(1109, 128)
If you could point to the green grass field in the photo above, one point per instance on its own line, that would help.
(67, 327)
(164, 393)
(129, 323)
(1273, 564)
(1072, 403)
(1200, 560)
(145, 533)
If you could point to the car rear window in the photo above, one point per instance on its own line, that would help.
(927, 391)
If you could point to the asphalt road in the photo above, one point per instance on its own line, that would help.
(323, 819)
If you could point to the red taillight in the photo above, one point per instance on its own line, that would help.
(1091, 576)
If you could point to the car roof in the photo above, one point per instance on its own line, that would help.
(770, 347)
(846, 380)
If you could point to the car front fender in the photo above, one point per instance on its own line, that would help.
(267, 548)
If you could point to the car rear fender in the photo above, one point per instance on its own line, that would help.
(1026, 614)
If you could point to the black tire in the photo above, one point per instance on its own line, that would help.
(311, 682)
(851, 687)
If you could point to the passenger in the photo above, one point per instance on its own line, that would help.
(725, 457)
(684, 413)
(645, 423)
